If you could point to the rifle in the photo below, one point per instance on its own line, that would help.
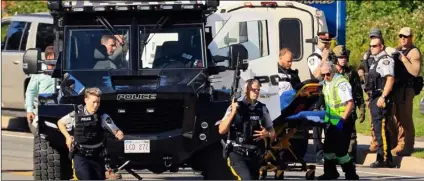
(234, 95)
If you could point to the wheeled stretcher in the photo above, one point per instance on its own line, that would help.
(292, 130)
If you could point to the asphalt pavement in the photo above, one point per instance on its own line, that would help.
(17, 164)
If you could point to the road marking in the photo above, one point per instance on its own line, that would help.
(24, 173)
(18, 136)
(374, 173)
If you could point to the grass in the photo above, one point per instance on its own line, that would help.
(364, 128)
(418, 153)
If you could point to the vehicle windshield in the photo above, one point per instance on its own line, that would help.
(95, 48)
(176, 46)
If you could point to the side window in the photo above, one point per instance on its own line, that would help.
(291, 37)
(252, 35)
(45, 36)
(16, 36)
(4, 28)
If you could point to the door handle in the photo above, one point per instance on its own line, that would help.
(16, 62)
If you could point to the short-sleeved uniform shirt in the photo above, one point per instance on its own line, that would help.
(268, 122)
(385, 66)
(314, 61)
(69, 121)
(344, 90)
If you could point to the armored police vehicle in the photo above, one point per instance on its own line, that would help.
(151, 62)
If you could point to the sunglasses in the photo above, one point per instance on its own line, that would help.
(403, 36)
(373, 46)
(256, 90)
(326, 74)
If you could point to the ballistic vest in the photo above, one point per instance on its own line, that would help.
(375, 82)
(246, 122)
(403, 77)
(88, 130)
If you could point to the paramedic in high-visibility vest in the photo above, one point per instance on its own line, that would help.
(339, 105)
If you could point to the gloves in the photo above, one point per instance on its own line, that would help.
(362, 111)
(339, 125)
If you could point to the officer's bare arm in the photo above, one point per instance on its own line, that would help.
(108, 124)
(62, 125)
(390, 80)
(224, 126)
(413, 64)
(268, 123)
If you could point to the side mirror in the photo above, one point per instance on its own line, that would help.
(31, 63)
(238, 57)
(2, 45)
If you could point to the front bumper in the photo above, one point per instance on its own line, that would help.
(168, 148)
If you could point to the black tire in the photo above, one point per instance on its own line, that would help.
(49, 164)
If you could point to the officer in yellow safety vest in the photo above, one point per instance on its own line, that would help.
(339, 105)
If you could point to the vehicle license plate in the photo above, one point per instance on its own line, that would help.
(137, 146)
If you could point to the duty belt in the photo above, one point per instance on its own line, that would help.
(83, 150)
(247, 150)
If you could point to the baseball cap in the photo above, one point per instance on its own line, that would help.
(340, 51)
(324, 37)
(407, 31)
(375, 32)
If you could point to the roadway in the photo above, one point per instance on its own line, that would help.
(17, 165)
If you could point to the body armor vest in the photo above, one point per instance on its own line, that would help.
(375, 82)
(88, 129)
(245, 124)
(293, 74)
(403, 77)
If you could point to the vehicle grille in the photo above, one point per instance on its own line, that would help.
(167, 115)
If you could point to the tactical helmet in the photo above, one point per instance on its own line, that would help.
(341, 51)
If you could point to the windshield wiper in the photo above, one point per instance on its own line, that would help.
(111, 29)
(158, 26)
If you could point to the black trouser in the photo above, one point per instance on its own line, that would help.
(244, 167)
(353, 143)
(317, 139)
(336, 143)
(88, 168)
(380, 118)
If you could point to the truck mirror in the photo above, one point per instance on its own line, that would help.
(238, 56)
(31, 63)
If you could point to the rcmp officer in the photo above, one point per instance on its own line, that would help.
(321, 54)
(87, 141)
(247, 124)
(379, 88)
(341, 62)
(339, 104)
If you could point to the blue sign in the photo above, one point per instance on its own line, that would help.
(335, 14)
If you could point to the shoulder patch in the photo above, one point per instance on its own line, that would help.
(311, 61)
(386, 62)
(342, 87)
(72, 114)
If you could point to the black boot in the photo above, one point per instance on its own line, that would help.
(350, 171)
(330, 170)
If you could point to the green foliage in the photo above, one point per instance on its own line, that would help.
(25, 7)
(389, 16)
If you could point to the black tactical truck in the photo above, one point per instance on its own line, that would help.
(155, 80)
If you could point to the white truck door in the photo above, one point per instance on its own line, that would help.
(252, 33)
(295, 26)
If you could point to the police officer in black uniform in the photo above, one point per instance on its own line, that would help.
(248, 124)
(341, 62)
(379, 87)
(86, 141)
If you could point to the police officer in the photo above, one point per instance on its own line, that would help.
(287, 75)
(248, 124)
(321, 54)
(367, 60)
(342, 55)
(379, 87)
(87, 140)
(408, 62)
(339, 105)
